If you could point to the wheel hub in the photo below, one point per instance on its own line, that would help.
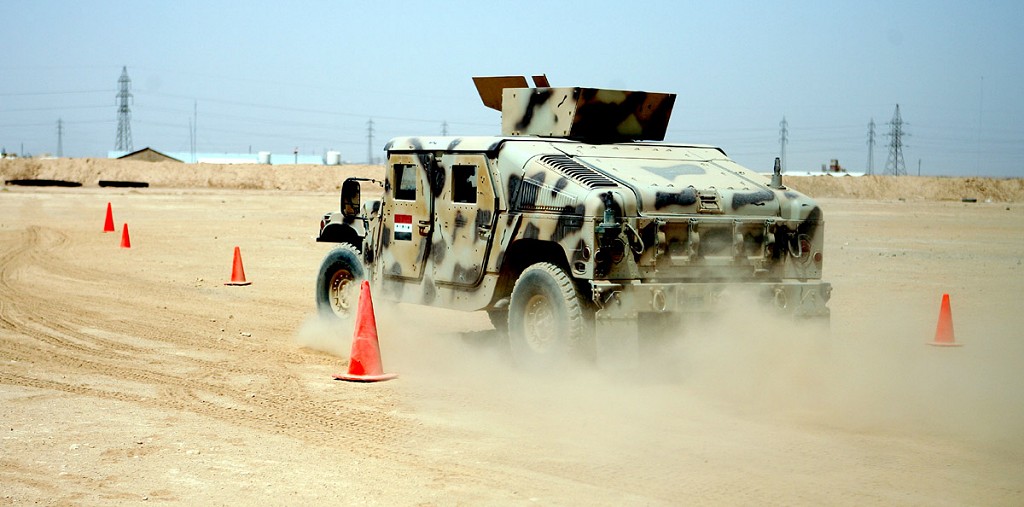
(340, 292)
(539, 323)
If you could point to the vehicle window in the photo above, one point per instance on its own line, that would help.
(464, 183)
(405, 182)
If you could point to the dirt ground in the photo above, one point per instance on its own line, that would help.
(135, 375)
(172, 175)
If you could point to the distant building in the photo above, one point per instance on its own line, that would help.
(148, 154)
(263, 157)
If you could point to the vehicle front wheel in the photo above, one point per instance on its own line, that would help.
(499, 319)
(337, 285)
(545, 317)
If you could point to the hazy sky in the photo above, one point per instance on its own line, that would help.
(279, 75)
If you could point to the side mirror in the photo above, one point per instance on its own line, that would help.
(350, 198)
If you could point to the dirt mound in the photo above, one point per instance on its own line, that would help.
(328, 178)
(922, 188)
(90, 172)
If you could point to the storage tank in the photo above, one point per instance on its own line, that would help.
(333, 158)
(263, 157)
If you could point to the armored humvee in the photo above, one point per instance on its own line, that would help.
(573, 226)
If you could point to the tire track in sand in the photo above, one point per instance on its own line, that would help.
(47, 334)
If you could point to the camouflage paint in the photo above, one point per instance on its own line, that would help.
(641, 226)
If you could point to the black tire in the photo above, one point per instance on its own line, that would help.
(337, 285)
(546, 323)
(499, 319)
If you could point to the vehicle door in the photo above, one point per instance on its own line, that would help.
(463, 219)
(407, 216)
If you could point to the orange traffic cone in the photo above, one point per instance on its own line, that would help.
(237, 273)
(126, 242)
(944, 330)
(108, 224)
(364, 364)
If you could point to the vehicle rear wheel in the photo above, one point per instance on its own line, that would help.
(337, 285)
(546, 317)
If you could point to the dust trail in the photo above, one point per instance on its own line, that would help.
(875, 374)
(326, 334)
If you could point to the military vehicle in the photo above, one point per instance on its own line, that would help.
(575, 227)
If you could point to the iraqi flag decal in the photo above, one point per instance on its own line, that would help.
(403, 227)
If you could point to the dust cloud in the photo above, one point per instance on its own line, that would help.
(325, 334)
(875, 375)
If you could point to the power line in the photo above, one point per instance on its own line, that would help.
(60, 137)
(193, 125)
(981, 100)
(51, 108)
(314, 111)
(176, 127)
(29, 94)
(895, 165)
(870, 146)
(25, 125)
(124, 114)
(369, 141)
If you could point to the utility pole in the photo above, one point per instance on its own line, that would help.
(783, 139)
(977, 145)
(124, 114)
(369, 142)
(60, 137)
(871, 147)
(193, 128)
(895, 165)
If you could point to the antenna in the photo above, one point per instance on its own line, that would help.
(783, 139)
(124, 114)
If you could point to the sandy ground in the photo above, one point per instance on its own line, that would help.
(89, 172)
(134, 375)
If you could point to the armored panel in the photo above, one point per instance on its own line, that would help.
(590, 114)
(490, 88)
(577, 171)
